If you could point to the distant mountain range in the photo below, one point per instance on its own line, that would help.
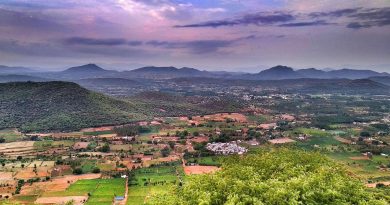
(283, 72)
(151, 72)
(15, 70)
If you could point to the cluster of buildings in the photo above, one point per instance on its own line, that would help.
(226, 148)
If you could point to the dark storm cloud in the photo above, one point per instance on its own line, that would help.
(100, 42)
(335, 13)
(370, 17)
(197, 47)
(311, 23)
(357, 17)
(93, 41)
(28, 20)
(254, 19)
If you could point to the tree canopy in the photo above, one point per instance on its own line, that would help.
(280, 177)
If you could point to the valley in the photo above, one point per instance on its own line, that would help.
(120, 144)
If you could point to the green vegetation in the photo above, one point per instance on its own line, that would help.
(9, 135)
(59, 106)
(101, 191)
(280, 176)
(151, 181)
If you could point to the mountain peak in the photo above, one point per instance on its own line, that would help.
(280, 68)
(85, 68)
(155, 69)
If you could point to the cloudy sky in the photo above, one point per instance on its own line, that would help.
(240, 35)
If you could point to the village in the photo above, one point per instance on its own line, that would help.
(49, 168)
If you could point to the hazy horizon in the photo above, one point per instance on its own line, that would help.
(247, 36)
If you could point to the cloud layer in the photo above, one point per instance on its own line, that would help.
(207, 34)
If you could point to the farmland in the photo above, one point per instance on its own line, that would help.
(91, 165)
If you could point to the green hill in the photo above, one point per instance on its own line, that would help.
(40, 106)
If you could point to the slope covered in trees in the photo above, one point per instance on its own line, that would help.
(274, 177)
(59, 106)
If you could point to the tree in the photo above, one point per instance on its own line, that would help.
(2, 140)
(105, 148)
(96, 170)
(364, 134)
(77, 171)
(165, 152)
(277, 177)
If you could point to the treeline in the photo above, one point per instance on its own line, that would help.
(131, 130)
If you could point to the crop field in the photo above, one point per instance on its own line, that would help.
(55, 185)
(152, 180)
(206, 161)
(102, 191)
(10, 135)
(322, 141)
(362, 166)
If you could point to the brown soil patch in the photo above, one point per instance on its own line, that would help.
(56, 184)
(29, 173)
(5, 176)
(342, 140)
(200, 169)
(97, 129)
(220, 117)
(360, 158)
(200, 139)
(77, 200)
(281, 141)
(373, 185)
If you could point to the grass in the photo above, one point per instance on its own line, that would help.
(88, 165)
(26, 198)
(258, 118)
(206, 161)
(10, 135)
(152, 180)
(325, 142)
(102, 191)
(124, 147)
(43, 145)
(96, 133)
(309, 131)
(367, 169)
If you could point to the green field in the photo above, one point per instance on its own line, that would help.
(102, 191)
(96, 133)
(151, 181)
(205, 161)
(10, 135)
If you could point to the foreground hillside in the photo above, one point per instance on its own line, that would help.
(276, 177)
(63, 106)
(59, 106)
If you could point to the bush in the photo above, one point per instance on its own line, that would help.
(96, 170)
(275, 177)
(77, 171)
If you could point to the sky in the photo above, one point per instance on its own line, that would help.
(231, 35)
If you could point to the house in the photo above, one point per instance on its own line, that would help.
(119, 198)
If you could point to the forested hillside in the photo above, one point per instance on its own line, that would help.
(65, 106)
(273, 177)
(59, 106)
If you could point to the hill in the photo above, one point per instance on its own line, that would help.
(112, 86)
(152, 72)
(20, 78)
(14, 70)
(84, 68)
(278, 73)
(346, 86)
(84, 71)
(283, 72)
(43, 106)
(381, 79)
